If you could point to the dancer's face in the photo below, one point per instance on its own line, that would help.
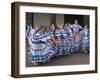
(76, 21)
(65, 26)
(52, 27)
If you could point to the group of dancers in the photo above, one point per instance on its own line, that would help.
(47, 42)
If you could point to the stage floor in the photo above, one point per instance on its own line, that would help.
(73, 59)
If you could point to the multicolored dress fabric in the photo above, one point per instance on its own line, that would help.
(63, 45)
(77, 40)
(40, 50)
(76, 44)
(50, 37)
(58, 45)
(64, 42)
(29, 33)
(85, 41)
(76, 27)
(69, 33)
(44, 46)
(69, 39)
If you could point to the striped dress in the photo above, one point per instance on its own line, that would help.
(85, 41)
(69, 39)
(77, 40)
(64, 42)
(76, 27)
(50, 37)
(63, 47)
(58, 45)
(76, 43)
(40, 49)
(29, 33)
(69, 33)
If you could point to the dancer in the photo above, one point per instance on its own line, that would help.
(39, 50)
(85, 40)
(76, 37)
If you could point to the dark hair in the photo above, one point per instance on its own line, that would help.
(65, 24)
(80, 29)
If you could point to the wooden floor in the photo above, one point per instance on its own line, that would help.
(73, 59)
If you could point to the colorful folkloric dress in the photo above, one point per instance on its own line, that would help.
(58, 44)
(69, 39)
(76, 38)
(49, 35)
(39, 49)
(50, 39)
(76, 43)
(29, 33)
(85, 41)
(64, 42)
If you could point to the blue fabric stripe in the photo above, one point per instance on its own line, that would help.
(40, 58)
(41, 36)
(38, 42)
(38, 49)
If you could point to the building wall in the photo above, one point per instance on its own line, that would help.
(45, 19)
(60, 19)
(42, 19)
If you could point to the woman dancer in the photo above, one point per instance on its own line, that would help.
(76, 37)
(68, 30)
(85, 40)
(39, 50)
